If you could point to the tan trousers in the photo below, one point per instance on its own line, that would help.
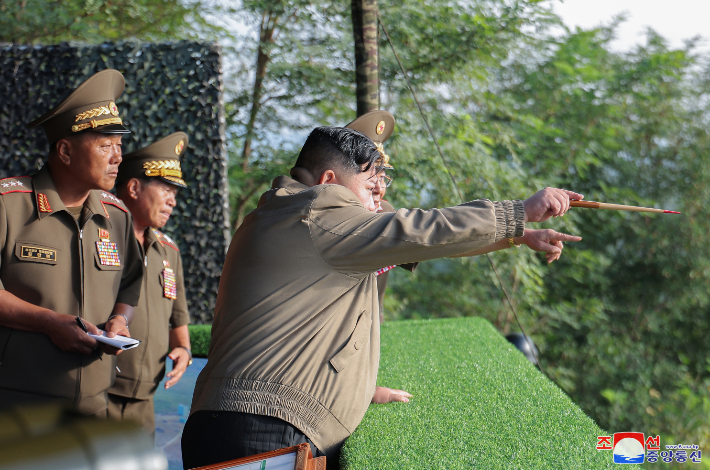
(140, 411)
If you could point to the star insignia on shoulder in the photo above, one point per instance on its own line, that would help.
(8, 185)
(110, 196)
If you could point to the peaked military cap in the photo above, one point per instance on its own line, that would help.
(91, 106)
(378, 125)
(160, 159)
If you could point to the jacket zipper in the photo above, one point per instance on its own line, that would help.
(147, 316)
(77, 394)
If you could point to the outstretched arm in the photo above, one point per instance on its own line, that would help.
(547, 241)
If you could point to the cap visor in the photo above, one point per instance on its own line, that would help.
(111, 129)
(174, 183)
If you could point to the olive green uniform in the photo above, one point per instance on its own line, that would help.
(80, 267)
(142, 368)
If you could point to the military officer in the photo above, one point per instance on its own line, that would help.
(69, 261)
(378, 125)
(148, 181)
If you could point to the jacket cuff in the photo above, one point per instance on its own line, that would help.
(510, 219)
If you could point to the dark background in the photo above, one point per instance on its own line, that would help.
(170, 87)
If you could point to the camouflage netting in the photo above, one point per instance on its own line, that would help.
(169, 87)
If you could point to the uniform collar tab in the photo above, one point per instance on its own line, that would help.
(47, 199)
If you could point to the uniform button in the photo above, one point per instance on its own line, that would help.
(357, 345)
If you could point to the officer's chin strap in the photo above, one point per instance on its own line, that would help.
(453, 180)
(303, 176)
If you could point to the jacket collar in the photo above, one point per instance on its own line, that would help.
(289, 184)
(48, 201)
(153, 240)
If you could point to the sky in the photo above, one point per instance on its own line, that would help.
(675, 20)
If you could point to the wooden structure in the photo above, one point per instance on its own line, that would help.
(290, 458)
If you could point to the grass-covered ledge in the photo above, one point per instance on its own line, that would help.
(478, 403)
(200, 339)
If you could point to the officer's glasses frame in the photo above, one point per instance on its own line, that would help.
(382, 178)
(386, 179)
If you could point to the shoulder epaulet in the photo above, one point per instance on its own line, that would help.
(165, 240)
(108, 198)
(18, 184)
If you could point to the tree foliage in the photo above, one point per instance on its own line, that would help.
(50, 22)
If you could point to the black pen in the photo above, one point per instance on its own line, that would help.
(80, 322)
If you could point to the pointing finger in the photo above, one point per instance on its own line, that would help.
(564, 237)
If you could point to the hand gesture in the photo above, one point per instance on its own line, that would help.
(68, 336)
(547, 203)
(389, 395)
(547, 241)
(181, 359)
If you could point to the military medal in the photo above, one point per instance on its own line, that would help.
(169, 283)
(108, 252)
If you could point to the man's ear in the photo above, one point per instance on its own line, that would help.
(328, 177)
(133, 188)
(63, 151)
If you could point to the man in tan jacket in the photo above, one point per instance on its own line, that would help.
(296, 341)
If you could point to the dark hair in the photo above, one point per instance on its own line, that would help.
(337, 147)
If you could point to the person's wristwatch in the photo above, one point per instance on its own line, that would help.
(119, 315)
(189, 363)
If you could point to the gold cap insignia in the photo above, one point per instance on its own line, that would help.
(380, 127)
(168, 169)
(113, 108)
(179, 147)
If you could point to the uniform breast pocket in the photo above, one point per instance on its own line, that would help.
(357, 342)
(107, 255)
(36, 253)
(103, 266)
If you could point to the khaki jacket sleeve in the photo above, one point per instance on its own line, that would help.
(132, 276)
(353, 240)
(387, 207)
(180, 315)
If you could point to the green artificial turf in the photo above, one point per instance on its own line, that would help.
(478, 404)
(200, 339)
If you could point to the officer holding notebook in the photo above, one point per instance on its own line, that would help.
(148, 182)
(68, 257)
